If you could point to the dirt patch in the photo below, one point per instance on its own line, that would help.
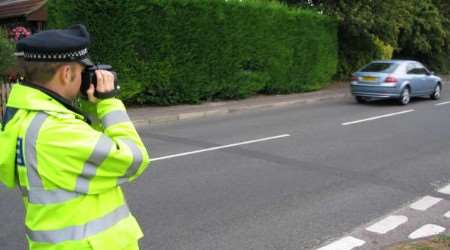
(441, 242)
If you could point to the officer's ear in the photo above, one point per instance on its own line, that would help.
(67, 73)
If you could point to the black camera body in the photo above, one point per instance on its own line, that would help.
(88, 76)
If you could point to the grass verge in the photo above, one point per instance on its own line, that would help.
(441, 242)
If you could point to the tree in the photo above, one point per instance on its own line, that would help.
(427, 36)
(417, 29)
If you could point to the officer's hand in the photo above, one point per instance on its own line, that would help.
(90, 93)
(105, 83)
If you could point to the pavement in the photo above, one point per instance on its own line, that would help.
(152, 115)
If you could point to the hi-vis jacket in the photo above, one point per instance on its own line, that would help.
(69, 173)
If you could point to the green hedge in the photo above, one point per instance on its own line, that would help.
(188, 51)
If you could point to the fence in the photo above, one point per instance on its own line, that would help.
(4, 93)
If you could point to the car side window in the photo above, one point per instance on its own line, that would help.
(410, 69)
(426, 70)
(415, 69)
(421, 71)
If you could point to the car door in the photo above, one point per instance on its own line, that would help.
(415, 79)
(427, 79)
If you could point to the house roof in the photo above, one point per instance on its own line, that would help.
(16, 8)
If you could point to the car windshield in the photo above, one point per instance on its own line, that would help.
(380, 67)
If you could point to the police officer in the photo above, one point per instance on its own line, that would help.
(68, 169)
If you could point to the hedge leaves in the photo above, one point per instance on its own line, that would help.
(188, 51)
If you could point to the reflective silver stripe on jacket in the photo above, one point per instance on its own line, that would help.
(36, 192)
(115, 117)
(41, 196)
(82, 231)
(137, 161)
(100, 153)
(30, 150)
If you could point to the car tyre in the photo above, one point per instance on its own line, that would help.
(437, 92)
(405, 96)
(360, 99)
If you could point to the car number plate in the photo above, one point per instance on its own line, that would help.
(369, 78)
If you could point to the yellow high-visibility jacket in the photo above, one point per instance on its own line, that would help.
(70, 173)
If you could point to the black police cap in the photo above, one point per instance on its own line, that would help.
(58, 45)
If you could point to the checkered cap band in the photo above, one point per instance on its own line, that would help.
(66, 56)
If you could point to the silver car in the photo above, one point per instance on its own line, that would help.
(398, 79)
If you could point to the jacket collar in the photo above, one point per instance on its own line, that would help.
(30, 96)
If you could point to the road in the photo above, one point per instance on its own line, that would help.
(291, 178)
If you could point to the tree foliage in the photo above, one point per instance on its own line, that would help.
(415, 29)
(427, 36)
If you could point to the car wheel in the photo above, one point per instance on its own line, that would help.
(437, 92)
(360, 99)
(405, 96)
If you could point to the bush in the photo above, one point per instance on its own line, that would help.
(427, 38)
(188, 51)
(402, 29)
(385, 51)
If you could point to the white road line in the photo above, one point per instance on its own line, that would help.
(346, 243)
(425, 203)
(377, 117)
(442, 103)
(219, 147)
(387, 224)
(426, 230)
(445, 190)
(447, 215)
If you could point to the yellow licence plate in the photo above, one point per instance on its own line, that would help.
(369, 78)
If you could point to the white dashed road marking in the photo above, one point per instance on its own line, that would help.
(426, 230)
(405, 223)
(387, 224)
(346, 243)
(442, 103)
(220, 147)
(425, 203)
(445, 190)
(447, 215)
(377, 117)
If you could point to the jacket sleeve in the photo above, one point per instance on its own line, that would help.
(74, 156)
(90, 109)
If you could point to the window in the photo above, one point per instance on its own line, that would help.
(380, 67)
(416, 69)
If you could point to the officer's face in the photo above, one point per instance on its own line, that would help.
(75, 80)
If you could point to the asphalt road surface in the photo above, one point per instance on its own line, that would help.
(291, 178)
